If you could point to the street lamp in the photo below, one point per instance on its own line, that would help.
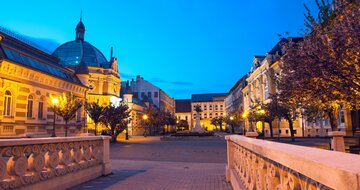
(262, 112)
(54, 102)
(232, 125)
(85, 115)
(244, 116)
(145, 117)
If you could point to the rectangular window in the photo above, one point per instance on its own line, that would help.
(186, 118)
(149, 94)
(156, 94)
(142, 94)
(287, 131)
(40, 110)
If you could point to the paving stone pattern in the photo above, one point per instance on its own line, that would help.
(151, 164)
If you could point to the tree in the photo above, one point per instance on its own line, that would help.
(182, 125)
(285, 108)
(236, 120)
(95, 112)
(272, 111)
(156, 119)
(218, 121)
(67, 107)
(170, 119)
(323, 70)
(116, 118)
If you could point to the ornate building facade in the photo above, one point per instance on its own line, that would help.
(261, 84)
(30, 76)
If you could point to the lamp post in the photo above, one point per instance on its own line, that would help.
(262, 112)
(145, 117)
(54, 102)
(232, 124)
(85, 116)
(244, 116)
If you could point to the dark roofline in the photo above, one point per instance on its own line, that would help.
(238, 83)
(27, 46)
(28, 50)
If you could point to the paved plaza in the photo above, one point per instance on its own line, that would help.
(150, 164)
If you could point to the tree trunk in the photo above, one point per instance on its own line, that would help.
(333, 116)
(66, 128)
(271, 129)
(95, 129)
(220, 127)
(291, 127)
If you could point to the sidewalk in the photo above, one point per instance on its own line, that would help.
(155, 175)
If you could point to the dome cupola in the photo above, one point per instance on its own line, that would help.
(80, 30)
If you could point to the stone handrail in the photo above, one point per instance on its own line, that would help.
(259, 164)
(52, 163)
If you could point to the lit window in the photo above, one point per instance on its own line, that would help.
(7, 103)
(30, 106)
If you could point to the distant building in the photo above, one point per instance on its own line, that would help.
(234, 100)
(137, 108)
(212, 105)
(142, 88)
(183, 110)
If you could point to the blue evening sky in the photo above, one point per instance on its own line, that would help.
(182, 46)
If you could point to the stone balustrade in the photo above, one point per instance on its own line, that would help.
(52, 163)
(259, 164)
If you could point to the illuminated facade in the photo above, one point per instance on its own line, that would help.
(261, 83)
(92, 68)
(29, 76)
(212, 105)
(137, 108)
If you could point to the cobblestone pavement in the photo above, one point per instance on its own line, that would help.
(154, 175)
(151, 164)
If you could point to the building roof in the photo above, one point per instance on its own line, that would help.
(71, 53)
(22, 53)
(241, 82)
(206, 97)
(182, 106)
(278, 49)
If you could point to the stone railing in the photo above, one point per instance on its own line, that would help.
(52, 163)
(258, 164)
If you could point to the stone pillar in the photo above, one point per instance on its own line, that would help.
(106, 155)
(251, 134)
(337, 140)
(230, 157)
(198, 128)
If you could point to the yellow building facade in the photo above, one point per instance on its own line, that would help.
(212, 105)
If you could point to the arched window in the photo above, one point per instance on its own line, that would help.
(41, 109)
(7, 103)
(30, 106)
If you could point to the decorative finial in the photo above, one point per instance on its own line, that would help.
(81, 15)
